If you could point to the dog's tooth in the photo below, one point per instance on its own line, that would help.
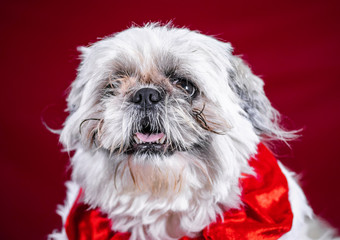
(161, 141)
(138, 141)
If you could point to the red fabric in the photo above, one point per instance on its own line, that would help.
(266, 213)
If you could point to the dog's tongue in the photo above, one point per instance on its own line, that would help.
(149, 137)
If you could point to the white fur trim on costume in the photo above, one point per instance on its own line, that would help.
(306, 226)
(64, 210)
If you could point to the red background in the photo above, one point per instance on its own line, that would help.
(293, 45)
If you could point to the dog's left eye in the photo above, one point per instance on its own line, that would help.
(186, 85)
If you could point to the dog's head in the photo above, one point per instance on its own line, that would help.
(164, 113)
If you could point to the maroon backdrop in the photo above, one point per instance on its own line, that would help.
(293, 45)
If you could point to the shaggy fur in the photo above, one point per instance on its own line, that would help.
(212, 114)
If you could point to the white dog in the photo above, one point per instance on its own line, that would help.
(168, 130)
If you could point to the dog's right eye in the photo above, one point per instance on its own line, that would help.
(111, 88)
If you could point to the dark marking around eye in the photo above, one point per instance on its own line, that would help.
(186, 85)
(181, 82)
(111, 88)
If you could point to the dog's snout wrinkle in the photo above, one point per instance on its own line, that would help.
(147, 97)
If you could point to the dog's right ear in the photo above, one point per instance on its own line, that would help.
(69, 135)
(76, 89)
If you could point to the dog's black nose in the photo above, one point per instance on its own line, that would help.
(147, 97)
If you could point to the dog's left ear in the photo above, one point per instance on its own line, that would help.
(249, 89)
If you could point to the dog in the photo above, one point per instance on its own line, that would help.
(170, 131)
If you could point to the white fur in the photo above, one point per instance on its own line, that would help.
(166, 197)
(64, 210)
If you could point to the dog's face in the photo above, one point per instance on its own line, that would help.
(166, 115)
(151, 111)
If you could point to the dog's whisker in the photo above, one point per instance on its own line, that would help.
(115, 174)
(204, 171)
(186, 118)
(203, 122)
(180, 180)
(86, 120)
(123, 171)
(175, 181)
(131, 172)
(100, 126)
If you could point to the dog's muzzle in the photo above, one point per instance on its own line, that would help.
(148, 140)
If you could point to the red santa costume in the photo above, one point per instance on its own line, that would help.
(265, 214)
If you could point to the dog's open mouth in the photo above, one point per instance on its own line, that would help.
(152, 138)
(148, 140)
(151, 143)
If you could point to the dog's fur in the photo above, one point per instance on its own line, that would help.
(211, 130)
